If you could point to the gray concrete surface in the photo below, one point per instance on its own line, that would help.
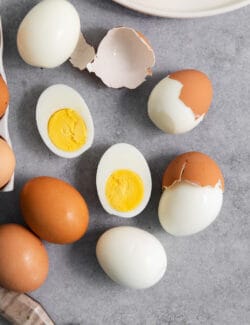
(208, 277)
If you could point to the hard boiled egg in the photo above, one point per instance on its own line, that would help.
(179, 102)
(24, 260)
(8, 162)
(49, 33)
(192, 195)
(123, 181)
(131, 257)
(4, 96)
(64, 121)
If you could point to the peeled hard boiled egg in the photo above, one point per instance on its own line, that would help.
(64, 121)
(192, 195)
(123, 181)
(54, 210)
(49, 33)
(131, 257)
(24, 260)
(179, 102)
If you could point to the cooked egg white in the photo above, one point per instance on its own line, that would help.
(64, 121)
(123, 181)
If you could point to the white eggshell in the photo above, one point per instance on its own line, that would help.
(124, 59)
(131, 257)
(53, 99)
(49, 33)
(123, 156)
(167, 111)
(186, 209)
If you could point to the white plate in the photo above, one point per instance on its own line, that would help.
(183, 8)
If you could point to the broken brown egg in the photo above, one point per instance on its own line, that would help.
(124, 58)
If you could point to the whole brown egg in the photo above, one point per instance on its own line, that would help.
(24, 261)
(54, 210)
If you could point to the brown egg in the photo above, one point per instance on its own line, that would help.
(4, 96)
(194, 167)
(24, 261)
(7, 162)
(197, 91)
(54, 210)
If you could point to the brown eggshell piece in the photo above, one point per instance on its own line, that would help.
(193, 167)
(54, 210)
(197, 91)
(4, 96)
(24, 260)
(7, 162)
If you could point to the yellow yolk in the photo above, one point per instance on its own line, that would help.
(67, 130)
(124, 190)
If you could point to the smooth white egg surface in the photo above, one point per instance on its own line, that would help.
(124, 188)
(167, 111)
(59, 97)
(186, 209)
(131, 257)
(49, 33)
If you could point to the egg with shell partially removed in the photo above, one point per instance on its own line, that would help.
(179, 102)
(192, 197)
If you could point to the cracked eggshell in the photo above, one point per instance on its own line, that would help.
(192, 196)
(57, 97)
(124, 58)
(49, 33)
(179, 102)
(131, 257)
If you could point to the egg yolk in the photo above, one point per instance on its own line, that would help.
(124, 190)
(67, 130)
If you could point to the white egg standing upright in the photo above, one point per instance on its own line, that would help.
(61, 97)
(49, 33)
(123, 181)
(192, 195)
(131, 257)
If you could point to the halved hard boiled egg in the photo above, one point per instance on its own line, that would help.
(49, 33)
(179, 102)
(123, 181)
(192, 197)
(64, 121)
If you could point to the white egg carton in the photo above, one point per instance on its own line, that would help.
(4, 132)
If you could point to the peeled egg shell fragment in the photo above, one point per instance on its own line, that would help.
(49, 33)
(83, 54)
(131, 257)
(124, 58)
(179, 102)
(186, 209)
(53, 99)
(117, 157)
(8, 162)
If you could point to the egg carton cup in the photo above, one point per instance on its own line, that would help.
(4, 132)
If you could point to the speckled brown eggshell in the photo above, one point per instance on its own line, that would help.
(193, 167)
(24, 260)
(54, 210)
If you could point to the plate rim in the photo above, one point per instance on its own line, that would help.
(177, 14)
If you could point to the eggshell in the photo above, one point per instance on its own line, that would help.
(54, 210)
(23, 259)
(123, 156)
(131, 257)
(179, 102)
(193, 167)
(57, 97)
(4, 96)
(8, 162)
(49, 33)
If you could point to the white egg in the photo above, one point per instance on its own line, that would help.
(186, 208)
(131, 257)
(53, 99)
(167, 111)
(49, 33)
(126, 157)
